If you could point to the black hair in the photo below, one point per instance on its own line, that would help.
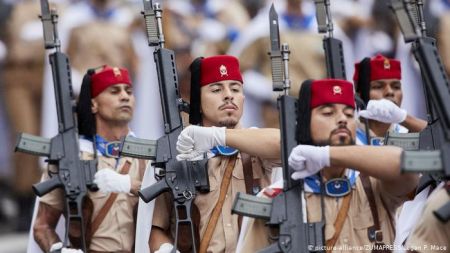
(363, 82)
(304, 114)
(85, 117)
(195, 115)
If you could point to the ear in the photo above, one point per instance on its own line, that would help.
(94, 106)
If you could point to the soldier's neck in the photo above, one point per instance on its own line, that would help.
(332, 172)
(112, 132)
(379, 128)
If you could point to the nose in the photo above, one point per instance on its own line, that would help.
(388, 91)
(341, 119)
(228, 94)
(124, 95)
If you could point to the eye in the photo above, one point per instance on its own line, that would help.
(327, 113)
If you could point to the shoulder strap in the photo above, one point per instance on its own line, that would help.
(248, 172)
(374, 232)
(218, 208)
(340, 219)
(109, 202)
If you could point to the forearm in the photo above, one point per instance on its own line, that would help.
(44, 226)
(135, 186)
(262, 142)
(413, 124)
(382, 163)
(157, 238)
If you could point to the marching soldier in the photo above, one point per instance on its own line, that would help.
(359, 203)
(104, 109)
(216, 101)
(378, 82)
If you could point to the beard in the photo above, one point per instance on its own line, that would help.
(228, 123)
(341, 141)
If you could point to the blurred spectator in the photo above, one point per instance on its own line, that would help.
(22, 95)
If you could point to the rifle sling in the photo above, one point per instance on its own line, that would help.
(339, 222)
(109, 202)
(374, 232)
(218, 208)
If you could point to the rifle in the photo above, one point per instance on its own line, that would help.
(334, 53)
(286, 211)
(181, 178)
(436, 85)
(75, 176)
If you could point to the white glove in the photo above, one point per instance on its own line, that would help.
(165, 248)
(59, 246)
(196, 138)
(384, 110)
(108, 180)
(195, 156)
(307, 160)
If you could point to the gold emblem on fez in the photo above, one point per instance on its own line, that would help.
(223, 71)
(116, 72)
(337, 90)
(387, 64)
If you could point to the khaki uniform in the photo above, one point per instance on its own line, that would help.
(226, 232)
(23, 74)
(353, 237)
(86, 50)
(116, 232)
(430, 234)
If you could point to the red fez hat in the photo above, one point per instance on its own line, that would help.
(381, 68)
(106, 77)
(332, 91)
(219, 68)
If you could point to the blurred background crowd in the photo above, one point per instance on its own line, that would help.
(97, 32)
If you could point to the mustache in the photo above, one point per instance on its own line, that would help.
(227, 104)
(340, 128)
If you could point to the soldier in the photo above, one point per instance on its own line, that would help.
(378, 82)
(104, 109)
(326, 124)
(216, 101)
(431, 234)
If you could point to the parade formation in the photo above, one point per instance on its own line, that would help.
(339, 165)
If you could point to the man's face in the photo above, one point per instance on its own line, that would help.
(222, 103)
(114, 105)
(333, 124)
(390, 89)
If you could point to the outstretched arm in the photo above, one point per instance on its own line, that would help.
(262, 142)
(382, 163)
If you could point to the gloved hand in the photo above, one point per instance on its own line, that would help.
(384, 110)
(58, 247)
(202, 139)
(195, 156)
(108, 180)
(307, 160)
(165, 248)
